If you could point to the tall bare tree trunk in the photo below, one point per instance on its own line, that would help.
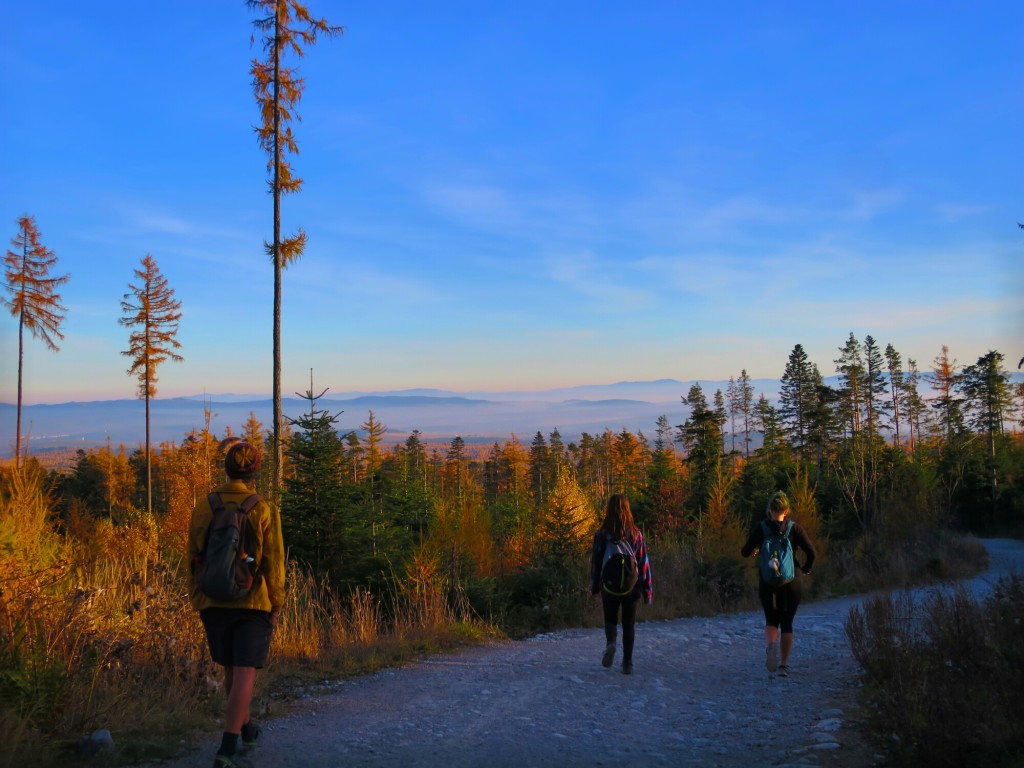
(278, 415)
(21, 362)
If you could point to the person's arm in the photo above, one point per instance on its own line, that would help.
(646, 581)
(753, 541)
(596, 553)
(273, 561)
(803, 542)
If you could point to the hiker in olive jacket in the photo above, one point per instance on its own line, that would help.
(239, 632)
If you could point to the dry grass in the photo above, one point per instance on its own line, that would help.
(96, 631)
(944, 676)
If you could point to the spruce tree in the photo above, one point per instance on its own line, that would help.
(850, 367)
(313, 501)
(796, 396)
(894, 365)
(873, 386)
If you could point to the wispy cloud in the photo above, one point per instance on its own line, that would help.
(865, 205)
(581, 273)
(958, 211)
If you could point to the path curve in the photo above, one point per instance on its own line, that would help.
(700, 696)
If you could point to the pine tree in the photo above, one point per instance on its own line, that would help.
(151, 308)
(913, 403)
(988, 398)
(796, 396)
(733, 395)
(944, 379)
(286, 25)
(894, 364)
(873, 386)
(850, 367)
(721, 413)
(374, 432)
(33, 298)
(746, 400)
(313, 501)
(701, 435)
(770, 425)
(541, 481)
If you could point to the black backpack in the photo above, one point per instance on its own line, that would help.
(619, 569)
(224, 569)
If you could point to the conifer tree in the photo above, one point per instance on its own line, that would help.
(375, 432)
(33, 298)
(313, 501)
(988, 398)
(874, 383)
(894, 364)
(286, 25)
(796, 396)
(944, 379)
(150, 308)
(913, 403)
(733, 395)
(541, 481)
(850, 367)
(746, 401)
(701, 435)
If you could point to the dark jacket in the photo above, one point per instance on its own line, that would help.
(644, 585)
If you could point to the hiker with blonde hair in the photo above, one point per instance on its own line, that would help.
(773, 540)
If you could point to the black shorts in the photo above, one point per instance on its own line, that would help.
(238, 637)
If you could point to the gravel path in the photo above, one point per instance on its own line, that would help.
(699, 696)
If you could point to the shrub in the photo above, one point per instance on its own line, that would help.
(943, 676)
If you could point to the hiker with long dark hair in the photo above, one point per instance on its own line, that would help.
(621, 572)
(779, 577)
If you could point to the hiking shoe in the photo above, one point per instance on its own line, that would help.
(609, 655)
(231, 761)
(250, 736)
(783, 670)
(627, 667)
(771, 660)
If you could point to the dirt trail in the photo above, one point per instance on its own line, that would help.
(699, 696)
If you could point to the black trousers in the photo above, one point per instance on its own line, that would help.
(627, 604)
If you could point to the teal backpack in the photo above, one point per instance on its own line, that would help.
(775, 559)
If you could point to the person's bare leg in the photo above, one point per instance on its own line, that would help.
(239, 690)
(785, 647)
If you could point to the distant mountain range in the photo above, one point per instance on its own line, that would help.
(438, 414)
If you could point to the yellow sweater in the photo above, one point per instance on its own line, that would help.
(265, 525)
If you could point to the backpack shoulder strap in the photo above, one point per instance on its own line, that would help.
(789, 527)
(216, 503)
(250, 502)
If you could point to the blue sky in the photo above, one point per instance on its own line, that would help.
(523, 195)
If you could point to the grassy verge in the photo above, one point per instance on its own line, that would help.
(943, 678)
